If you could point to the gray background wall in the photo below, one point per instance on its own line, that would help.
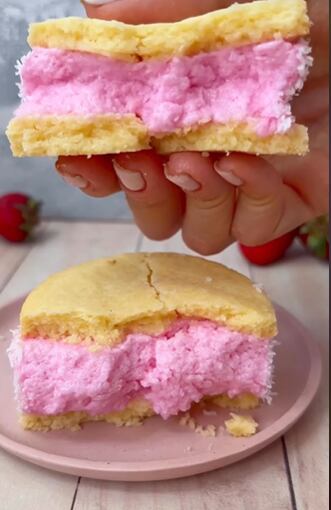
(36, 175)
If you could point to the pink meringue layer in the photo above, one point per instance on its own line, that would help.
(251, 84)
(173, 370)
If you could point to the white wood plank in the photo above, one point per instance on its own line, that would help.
(65, 244)
(11, 256)
(27, 487)
(23, 486)
(20, 483)
(258, 483)
(231, 257)
(300, 284)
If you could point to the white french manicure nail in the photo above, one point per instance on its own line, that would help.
(75, 180)
(133, 181)
(184, 181)
(227, 175)
(99, 2)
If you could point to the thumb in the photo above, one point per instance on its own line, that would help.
(150, 11)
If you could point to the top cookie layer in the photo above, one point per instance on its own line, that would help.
(239, 24)
(105, 299)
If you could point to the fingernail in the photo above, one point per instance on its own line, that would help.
(133, 181)
(227, 175)
(75, 180)
(184, 181)
(99, 2)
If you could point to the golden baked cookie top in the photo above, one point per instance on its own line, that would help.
(236, 25)
(103, 300)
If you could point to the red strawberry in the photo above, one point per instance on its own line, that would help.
(270, 252)
(315, 236)
(19, 214)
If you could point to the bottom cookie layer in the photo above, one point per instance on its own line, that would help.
(133, 415)
(72, 135)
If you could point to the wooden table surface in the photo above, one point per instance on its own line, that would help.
(291, 474)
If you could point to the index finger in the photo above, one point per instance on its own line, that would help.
(150, 11)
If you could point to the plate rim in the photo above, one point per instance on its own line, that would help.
(172, 468)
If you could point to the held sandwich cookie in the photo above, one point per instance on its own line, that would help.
(219, 82)
(124, 338)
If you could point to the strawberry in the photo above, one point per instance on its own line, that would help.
(270, 252)
(315, 236)
(19, 214)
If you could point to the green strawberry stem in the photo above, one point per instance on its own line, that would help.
(30, 214)
(317, 236)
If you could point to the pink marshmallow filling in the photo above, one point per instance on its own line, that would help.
(251, 84)
(194, 359)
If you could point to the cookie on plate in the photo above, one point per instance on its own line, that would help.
(124, 338)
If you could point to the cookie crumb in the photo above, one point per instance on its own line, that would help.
(183, 421)
(241, 426)
(205, 154)
(209, 413)
(259, 287)
(191, 424)
(209, 431)
(188, 421)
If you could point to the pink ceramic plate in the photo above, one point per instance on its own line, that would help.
(162, 450)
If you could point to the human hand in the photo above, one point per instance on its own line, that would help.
(216, 199)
